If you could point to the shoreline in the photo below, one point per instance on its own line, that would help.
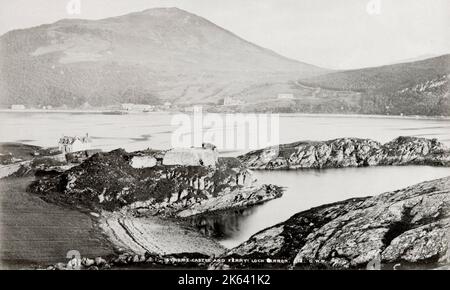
(312, 115)
(75, 111)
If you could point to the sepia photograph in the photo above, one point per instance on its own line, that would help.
(238, 135)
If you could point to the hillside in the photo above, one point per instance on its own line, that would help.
(144, 57)
(385, 78)
(413, 88)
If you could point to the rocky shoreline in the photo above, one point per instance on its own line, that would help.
(402, 229)
(406, 228)
(141, 205)
(348, 152)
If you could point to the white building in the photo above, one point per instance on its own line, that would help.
(230, 101)
(17, 107)
(68, 144)
(285, 96)
(137, 107)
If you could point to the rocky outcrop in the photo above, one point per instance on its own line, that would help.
(402, 229)
(349, 152)
(112, 181)
(146, 260)
(11, 169)
(143, 161)
(80, 156)
(18, 160)
(191, 157)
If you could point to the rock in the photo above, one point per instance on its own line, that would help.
(94, 214)
(99, 261)
(410, 227)
(60, 266)
(143, 161)
(420, 244)
(10, 169)
(121, 259)
(86, 262)
(349, 152)
(191, 157)
(80, 156)
(235, 199)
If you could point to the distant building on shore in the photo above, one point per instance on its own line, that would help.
(17, 107)
(230, 101)
(137, 107)
(69, 144)
(285, 96)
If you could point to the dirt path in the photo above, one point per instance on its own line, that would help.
(156, 235)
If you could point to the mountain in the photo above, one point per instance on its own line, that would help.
(168, 54)
(144, 57)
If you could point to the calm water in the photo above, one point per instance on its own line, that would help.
(309, 188)
(138, 131)
(304, 189)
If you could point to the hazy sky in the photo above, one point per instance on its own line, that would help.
(335, 34)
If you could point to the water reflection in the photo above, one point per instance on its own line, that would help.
(224, 225)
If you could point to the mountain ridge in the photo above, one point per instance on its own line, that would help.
(438, 65)
(169, 54)
(166, 54)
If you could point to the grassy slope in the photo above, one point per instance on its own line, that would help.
(34, 232)
(385, 78)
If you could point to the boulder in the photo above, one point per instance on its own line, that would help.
(99, 261)
(86, 262)
(191, 157)
(143, 161)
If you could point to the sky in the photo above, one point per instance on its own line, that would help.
(342, 34)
